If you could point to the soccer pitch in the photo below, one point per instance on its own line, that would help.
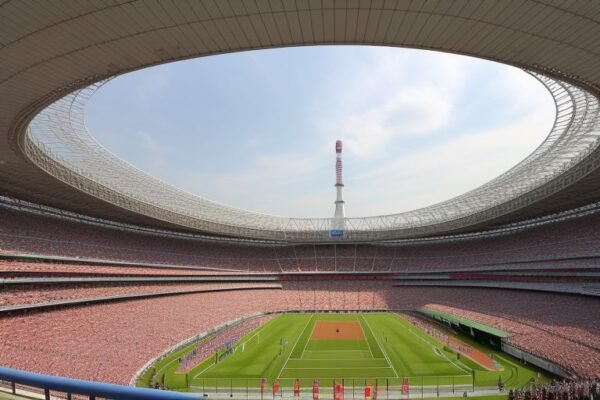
(360, 348)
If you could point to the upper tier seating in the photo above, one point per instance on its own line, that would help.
(560, 245)
(14, 268)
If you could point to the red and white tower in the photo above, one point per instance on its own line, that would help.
(340, 211)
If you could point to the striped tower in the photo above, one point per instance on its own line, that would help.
(340, 211)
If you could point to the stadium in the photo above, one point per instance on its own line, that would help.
(117, 285)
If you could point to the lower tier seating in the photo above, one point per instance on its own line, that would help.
(111, 341)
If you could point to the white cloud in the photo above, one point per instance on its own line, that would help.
(446, 170)
(279, 184)
(151, 143)
(148, 153)
(407, 113)
(151, 83)
(388, 96)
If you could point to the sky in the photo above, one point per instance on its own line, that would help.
(257, 130)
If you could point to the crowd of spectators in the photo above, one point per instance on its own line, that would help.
(335, 295)
(561, 245)
(444, 336)
(561, 328)
(111, 341)
(16, 268)
(574, 349)
(552, 324)
(214, 342)
(559, 390)
(426, 327)
(15, 295)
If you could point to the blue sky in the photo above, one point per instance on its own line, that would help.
(256, 130)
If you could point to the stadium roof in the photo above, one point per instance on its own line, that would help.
(55, 54)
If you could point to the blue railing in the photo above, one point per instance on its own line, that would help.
(95, 390)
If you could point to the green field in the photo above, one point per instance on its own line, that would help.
(389, 350)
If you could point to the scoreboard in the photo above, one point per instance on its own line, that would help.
(336, 233)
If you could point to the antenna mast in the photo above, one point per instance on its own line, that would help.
(340, 210)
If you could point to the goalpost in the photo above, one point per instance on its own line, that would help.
(250, 341)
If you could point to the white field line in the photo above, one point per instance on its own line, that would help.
(213, 364)
(204, 370)
(334, 359)
(433, 345)
(309, 336)
(336, 368)
(295, 344)
(258, 331)
(364, 334)
(354, 359)
(336, 351)
(165, 366)
(381, 347)
(458, 365)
